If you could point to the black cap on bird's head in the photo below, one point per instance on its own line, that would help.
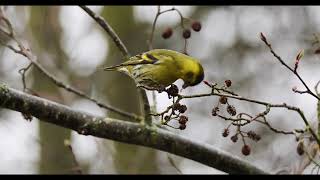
(193, 77)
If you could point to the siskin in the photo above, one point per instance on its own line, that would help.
(159, 68)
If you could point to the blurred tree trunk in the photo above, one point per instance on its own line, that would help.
(55, 157)
(120, 91)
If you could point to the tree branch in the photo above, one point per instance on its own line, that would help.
(127, 132)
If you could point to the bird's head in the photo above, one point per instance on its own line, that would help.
(193, 74)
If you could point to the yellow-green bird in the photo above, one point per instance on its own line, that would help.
(159, 68)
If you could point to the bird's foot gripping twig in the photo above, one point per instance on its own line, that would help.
(159, 88)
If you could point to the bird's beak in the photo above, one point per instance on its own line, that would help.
(185, 85)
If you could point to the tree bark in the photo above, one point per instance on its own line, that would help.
(123, 131)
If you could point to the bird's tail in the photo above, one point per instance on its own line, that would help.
(111, 68)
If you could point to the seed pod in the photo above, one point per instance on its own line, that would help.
(228, 83)
(196, 26)
(167, 33)
(252, 135)
(176, 106)
(246, 150)
(225, 133)
(215, 110)
(186, 33)
(223, 100)
(173, 90)
(300, 149)
(231, 110)
(234, 138)
(182, 108)
(182, 126)
(183, 119)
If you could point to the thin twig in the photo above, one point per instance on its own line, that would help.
(265, 122)
(77, 168)
(171, 161)
(159, 12)
(153, 28)
(316, 88)
(311, 157)
(264, 39)
(294, 71)
(108, 29)
(23, 72)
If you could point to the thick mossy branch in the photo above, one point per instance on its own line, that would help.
(122, 131)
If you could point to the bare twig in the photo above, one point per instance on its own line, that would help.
(108, 29)
(312, 160)
(173, 164)
(312, 154)
(77, 168)
(159, 12)
(237, 122)
(294, 71)
(265, 122)
(153, 28)
(23, 72)
(316, 88)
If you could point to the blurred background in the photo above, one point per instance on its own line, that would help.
(70, 45)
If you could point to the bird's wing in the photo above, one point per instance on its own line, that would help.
(139, 59)
(144, 58)
(148, 58)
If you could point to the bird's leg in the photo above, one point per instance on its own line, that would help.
(161, 88)
(144, 87)
(172, 91)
